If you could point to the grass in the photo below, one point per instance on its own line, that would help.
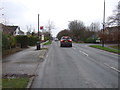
(47, 43)
(105, 48)
(115, 46)
(44, 48)
(15, 83)
(77, 42)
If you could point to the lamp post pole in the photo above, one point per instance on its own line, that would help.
(103, 25)
(38, 28)
(119, 25)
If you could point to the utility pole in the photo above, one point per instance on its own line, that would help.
(38, 28)
(38, 42)
(103, 25)
(119, 26)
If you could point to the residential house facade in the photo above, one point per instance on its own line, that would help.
(110, 34)
(11, 30)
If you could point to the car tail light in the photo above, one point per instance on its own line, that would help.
(70, 40)
(62, 40)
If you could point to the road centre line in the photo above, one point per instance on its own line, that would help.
(112, 67)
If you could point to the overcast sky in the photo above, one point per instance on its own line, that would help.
(60, 12)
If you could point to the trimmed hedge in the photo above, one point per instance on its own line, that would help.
(22, 40)
(32, 40)
(9, 42)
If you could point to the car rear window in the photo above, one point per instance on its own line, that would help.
(66, 37)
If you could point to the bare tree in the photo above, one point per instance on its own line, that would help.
(29, 29)
(95, 26)
(64, 32)
(3, 16)
(114, 20)
(77, 29)
(50, 26)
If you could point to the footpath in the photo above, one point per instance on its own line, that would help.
(24, 63)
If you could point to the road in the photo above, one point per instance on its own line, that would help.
(78, 67)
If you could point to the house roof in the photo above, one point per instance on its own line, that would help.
(9, 29)
(111, 28)
(21, 31)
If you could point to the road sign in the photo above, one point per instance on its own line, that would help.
(41, 27)
(42, 37)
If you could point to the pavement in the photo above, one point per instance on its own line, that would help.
(78, 67)
(24, 62)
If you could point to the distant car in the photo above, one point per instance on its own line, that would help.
(66, 41)
(56, 39)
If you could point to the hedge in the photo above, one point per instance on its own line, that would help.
(22, 40)
(32, 40)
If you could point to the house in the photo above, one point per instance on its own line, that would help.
(1, 29)
(11, 30)
(19, 32)
(111, 34)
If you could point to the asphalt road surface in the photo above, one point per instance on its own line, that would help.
(77, 67)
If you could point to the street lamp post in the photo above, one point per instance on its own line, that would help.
(118, 25)
(103, 25)
(38, 28)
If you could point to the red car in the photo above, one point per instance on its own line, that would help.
(66, 41)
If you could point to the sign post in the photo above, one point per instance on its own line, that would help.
(42, 33)
(38, 28)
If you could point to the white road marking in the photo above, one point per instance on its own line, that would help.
(84, 53)
(112, 67)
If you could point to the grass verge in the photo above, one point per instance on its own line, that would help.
(44, 48)
(115, 46)
(15, 83)
(47, 43)
(105, 48)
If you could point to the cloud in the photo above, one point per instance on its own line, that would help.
(24, 12)
(14, 9)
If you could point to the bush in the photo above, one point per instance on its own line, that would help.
(5, 42)
(90, 40)
(32, 40)
(22, 40)
(12, 41)
(8, 41)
